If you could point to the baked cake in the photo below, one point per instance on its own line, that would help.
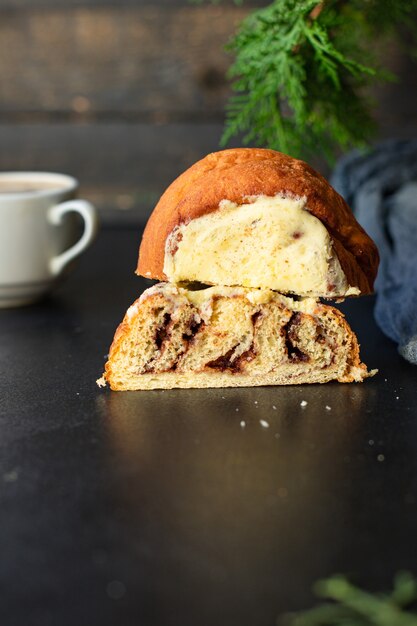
(246, 243)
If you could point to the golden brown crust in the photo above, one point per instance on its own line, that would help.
(122, 331)
(240, 173)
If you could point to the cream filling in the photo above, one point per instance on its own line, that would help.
(203, 299)
(268, 243)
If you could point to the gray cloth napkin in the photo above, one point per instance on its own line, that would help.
(381, 188)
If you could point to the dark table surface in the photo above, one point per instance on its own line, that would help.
(154, 508)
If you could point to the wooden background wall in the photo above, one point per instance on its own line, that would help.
(126, 94)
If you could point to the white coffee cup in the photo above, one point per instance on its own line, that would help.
(38, 233)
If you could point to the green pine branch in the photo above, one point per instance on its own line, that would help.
(351, 606)
(300, 70)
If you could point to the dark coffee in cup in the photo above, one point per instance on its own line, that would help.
(27, 186)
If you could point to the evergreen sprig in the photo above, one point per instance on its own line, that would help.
(299, 72)
(352, 606)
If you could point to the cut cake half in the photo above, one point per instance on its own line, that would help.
(230, 337)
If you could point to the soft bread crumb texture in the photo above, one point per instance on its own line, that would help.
(229, 337)
(242, 173)
(268, 242)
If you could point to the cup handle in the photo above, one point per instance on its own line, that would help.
(89, 215)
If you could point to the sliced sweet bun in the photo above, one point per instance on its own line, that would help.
(225, 337)
(227, 182)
